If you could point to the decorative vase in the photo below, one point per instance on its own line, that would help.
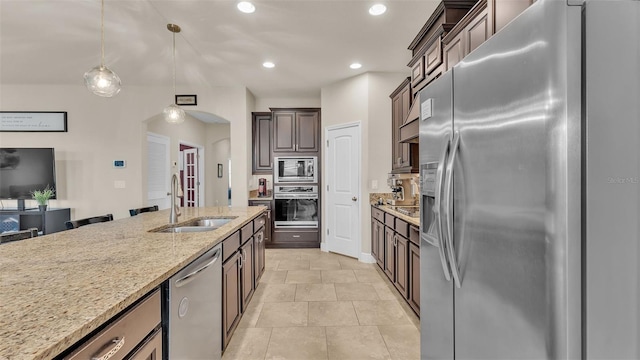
(42, 207)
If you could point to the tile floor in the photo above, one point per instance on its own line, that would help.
(316, 305)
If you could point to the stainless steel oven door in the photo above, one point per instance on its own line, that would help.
(295, 169)
(296, 211)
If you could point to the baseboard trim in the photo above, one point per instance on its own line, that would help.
(367, 258)
(324, 247)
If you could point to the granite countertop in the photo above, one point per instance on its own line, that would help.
(253, 195)
(56, 289)
(388, 208)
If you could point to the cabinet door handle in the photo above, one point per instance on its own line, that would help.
(119, 343)
(240, 260)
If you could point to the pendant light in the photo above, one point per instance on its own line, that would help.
(101, 80)
(173, 114)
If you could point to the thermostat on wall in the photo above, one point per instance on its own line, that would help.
(119, 164)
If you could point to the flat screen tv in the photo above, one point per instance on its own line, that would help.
(23, 170)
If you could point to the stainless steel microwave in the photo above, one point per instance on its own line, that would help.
(300, 169)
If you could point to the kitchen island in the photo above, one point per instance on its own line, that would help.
(58, 288)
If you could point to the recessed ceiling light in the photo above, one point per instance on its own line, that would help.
(268, 64)
(355, 66)
(246, 7)
(377, 9)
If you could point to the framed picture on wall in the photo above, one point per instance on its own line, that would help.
(33, 121)
(219, 170)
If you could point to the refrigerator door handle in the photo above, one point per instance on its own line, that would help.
(448, 188)
(437, 209)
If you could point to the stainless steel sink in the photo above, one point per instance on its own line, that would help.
(197, 225)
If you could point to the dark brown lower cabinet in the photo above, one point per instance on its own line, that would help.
(414, 277)
(244, 263)
(374, 239)
(259, 260)
(396, 255)
(230, 297)
(152, 348)
(389, 253)
(246, 273)
(401, 260)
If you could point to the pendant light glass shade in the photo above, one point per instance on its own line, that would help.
(101, 80)
(173, 114)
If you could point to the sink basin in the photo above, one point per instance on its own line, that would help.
(197, 225)
(210, 222)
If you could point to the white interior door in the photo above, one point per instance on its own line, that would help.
(190, 182)
(343, 193)
(158, 170)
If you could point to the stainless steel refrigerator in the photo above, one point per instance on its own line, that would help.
(529, 151)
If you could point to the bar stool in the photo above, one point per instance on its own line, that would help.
(134, 212)
(74, 224)
(18, 235)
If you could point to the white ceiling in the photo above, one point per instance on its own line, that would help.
(312, 42)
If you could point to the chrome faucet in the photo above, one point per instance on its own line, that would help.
(176, 191)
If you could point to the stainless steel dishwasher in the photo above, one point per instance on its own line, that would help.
(195, 309)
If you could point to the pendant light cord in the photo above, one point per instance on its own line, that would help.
(102, 35)
(174, 66)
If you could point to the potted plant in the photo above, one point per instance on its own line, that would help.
(42, 197)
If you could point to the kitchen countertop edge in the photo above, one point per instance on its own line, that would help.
(415, 221)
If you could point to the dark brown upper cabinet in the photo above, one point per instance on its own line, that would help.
(296, 130)
(262, 143)
(485, 19)
(404, 155)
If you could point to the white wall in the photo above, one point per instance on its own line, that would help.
(263, 104)
(218, 152)
(101, 130)
(364, 99)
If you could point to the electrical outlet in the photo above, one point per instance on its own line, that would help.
(374, 184)
(119, 184)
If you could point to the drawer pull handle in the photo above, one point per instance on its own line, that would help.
(296, 236)
(119, 343)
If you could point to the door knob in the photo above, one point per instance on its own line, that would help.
(354, 199)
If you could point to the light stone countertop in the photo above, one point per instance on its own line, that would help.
(56, 289)
(411, 220)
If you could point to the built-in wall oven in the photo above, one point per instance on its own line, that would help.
(300, 169)
(296, 206)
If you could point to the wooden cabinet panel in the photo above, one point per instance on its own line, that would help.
(506, 10)
(404, 155)
(133, 326)
(230, 245)
(230, 297)
(418, 71)
(477, 32)
(262, 143)
(453, 52)
(401, 259)
(247, 275)
(307, 131)
(381, 245)
(268, 221)
(374, 238)
(259, 258)
(284, 131)
(414, 278)
(151, 350)
(296, 130)
(433, 57)
(389, 253)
